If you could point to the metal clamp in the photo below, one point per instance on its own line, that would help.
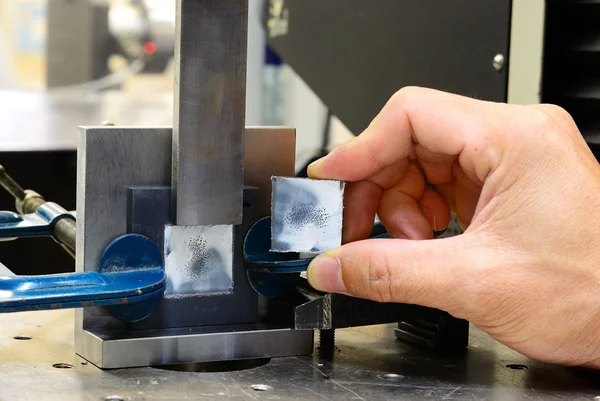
(38, 224)
(273, 274)
(130, 283)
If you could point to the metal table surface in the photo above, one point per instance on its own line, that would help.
(369, 364)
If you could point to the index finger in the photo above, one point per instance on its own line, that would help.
(439, 122)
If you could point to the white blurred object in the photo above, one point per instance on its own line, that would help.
(5, 271)
(6, 75)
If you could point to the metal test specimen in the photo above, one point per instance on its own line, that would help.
(306, 215)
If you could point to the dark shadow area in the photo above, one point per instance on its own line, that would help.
(222, 366)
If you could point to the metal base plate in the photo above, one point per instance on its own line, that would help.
(368, 364)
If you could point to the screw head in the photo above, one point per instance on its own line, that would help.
(499, 61)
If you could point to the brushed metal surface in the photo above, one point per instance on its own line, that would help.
(113, 159)
(369, 364)
(109, 160)
(199, 344)
(269, 151)
(209, 112)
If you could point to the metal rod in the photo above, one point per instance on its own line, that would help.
(209, 116)
(29, 201)
(65, 230)
(11, 185)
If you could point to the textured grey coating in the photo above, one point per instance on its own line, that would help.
(307, 215)
(198, 260)
(209, 111)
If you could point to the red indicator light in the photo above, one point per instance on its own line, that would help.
(150, 48)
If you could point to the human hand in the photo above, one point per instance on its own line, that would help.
(523, 183)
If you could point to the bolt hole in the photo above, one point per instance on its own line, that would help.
(517, 366)
(261, 387)
(22, 338)
(62, 366)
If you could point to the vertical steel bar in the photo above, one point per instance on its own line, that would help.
(210, 108)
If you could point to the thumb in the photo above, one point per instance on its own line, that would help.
(431, 273)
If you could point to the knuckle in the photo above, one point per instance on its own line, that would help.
(555, 111)
(404, 95)
(554, 116)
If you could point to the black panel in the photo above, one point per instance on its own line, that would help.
(572, 63)
(355, 54)
(54, 176)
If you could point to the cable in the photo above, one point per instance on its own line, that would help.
(106, 82)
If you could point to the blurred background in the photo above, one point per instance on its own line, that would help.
(67, 63)
(92, 50)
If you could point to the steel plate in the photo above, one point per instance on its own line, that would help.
(369, 364)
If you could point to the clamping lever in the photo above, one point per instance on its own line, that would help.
(130, 281)
(130, 284)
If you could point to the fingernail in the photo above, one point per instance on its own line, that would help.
(325, 274)
(312, 167)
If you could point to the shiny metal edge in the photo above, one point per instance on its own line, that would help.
(229, 345)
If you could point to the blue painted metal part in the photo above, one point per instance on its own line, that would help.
(38, 224)
(257, 252)
(271, 285)
(130, 282)
(273, 274)
(13, 225)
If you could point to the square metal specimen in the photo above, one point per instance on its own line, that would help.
(306, 215)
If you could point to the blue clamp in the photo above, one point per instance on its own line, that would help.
(38, 224)
(130, 283)
(274, 274)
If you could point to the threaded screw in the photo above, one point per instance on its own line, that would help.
(327, 340)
